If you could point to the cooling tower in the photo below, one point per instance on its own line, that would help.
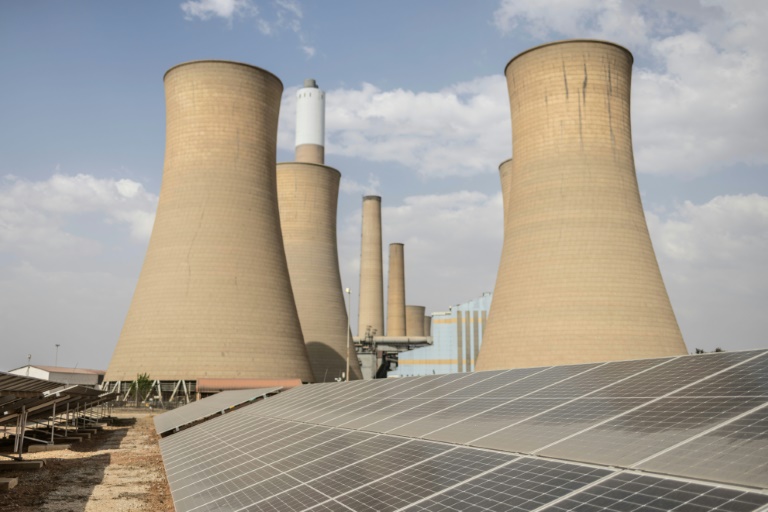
(307, 196)
(505, 176)
(579, 280)
(214, 298)
(371, 309)
(396, 291)
(427, 325)
(414, 320)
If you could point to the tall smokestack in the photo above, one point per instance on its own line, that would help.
(579, 281)
(396, 291)
(371, 304)
(310, 123)
(308, 196)
(214, 298)
(414, 320)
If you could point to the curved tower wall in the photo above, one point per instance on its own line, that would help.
(396, 291)
(310, 123)
(214, 297)
(579, 281)
(414, 320)
(371, 304)
(308, 197)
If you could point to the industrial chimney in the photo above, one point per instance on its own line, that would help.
(371, 305)
(308, 194)
(579, 281)
(214, 298)
(396, 291)
(310, 123)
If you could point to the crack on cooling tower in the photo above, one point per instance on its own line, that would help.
(191, 246)
(565, 81)
(584, 86)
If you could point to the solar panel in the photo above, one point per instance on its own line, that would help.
(525, 484)
(355, 447)
(658, 425)
(207, 407)
(735, 453)
(629, 492)
(679, 372)
(422, 480)
(556, 424)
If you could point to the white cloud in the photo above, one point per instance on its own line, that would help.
(700, 105)
(35, 215)
(350, 186)
(463, 129)
(713, 260)
(227, 9)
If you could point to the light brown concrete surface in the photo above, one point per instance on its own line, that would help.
(414, 320)
(307, 197)
(396, 291)
(427, 325)
(579, 281)
(371, 305)
(214, 298)
(310, 153)
(505, 177)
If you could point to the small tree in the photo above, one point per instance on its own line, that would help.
(143, 385)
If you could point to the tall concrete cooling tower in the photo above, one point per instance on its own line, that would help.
(579, 281)
(214, 298)
(414, 320)
(371, 305)
(396, 291)
(308, 194)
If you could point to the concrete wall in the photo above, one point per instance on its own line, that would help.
(457, 338)
(579, 281)
(214, 298)
(307, 197)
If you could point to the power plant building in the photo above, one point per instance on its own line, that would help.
(308, 194)
(578, 281)
(214, 298)
(457, 338)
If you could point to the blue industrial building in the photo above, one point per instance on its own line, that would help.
(457, 336)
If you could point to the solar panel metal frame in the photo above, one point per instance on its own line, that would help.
(207, 407)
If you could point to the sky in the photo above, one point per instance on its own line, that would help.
(417, 112)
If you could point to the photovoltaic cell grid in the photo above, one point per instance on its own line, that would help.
(206, 407)
(679, 416)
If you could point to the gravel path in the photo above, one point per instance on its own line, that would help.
(119, 470)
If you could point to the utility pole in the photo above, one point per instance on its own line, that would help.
(349, 309)
(56, 363)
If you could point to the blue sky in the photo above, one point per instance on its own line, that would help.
(416, 111)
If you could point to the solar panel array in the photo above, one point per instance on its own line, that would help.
(209, 406)
(580, 437)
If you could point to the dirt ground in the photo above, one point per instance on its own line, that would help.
(120, 469)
